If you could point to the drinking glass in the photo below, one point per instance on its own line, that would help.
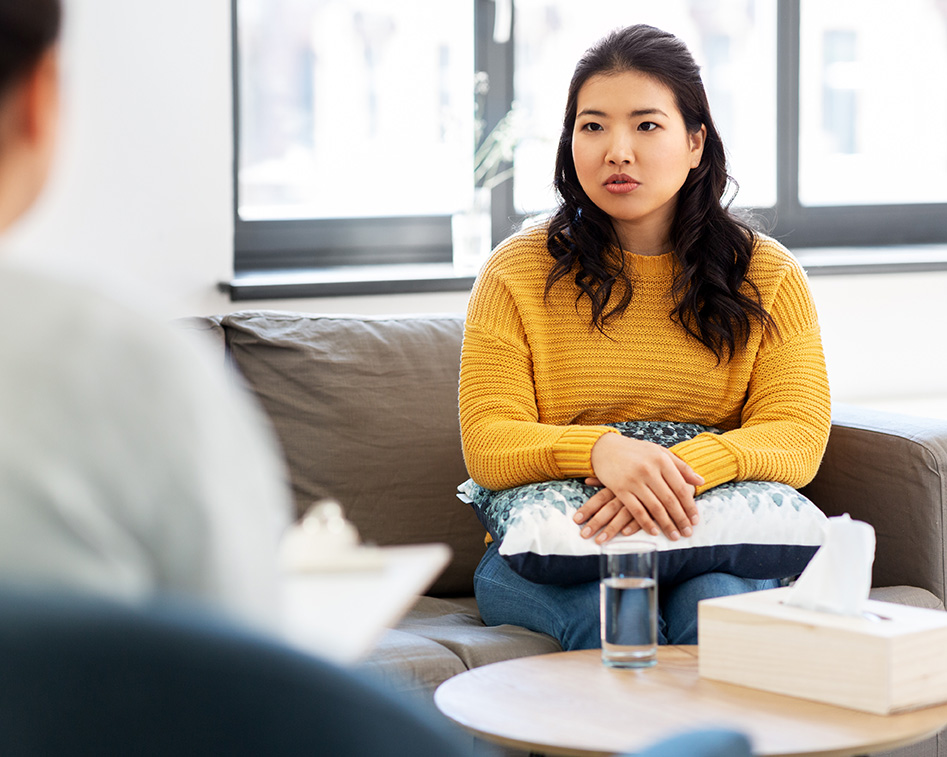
(629, 603)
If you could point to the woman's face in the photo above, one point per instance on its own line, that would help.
(632, 154)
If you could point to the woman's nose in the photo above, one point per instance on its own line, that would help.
(620, 151)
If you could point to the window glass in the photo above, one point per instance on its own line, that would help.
(354, 108)
(873, 103)
(734, 42)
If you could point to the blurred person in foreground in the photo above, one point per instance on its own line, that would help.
(129, 465)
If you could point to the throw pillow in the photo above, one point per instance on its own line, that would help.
(752, 529)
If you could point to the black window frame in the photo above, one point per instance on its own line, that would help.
(300, 258)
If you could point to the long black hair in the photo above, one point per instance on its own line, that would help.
(27, 29)
(712, 246)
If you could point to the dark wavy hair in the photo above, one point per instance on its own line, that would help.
(713, 247)
(27, 29)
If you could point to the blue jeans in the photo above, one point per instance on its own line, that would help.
(571, 613)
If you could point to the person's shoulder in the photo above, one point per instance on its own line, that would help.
(772, 260)
(523, 253)
(73, 323)
(51, 307)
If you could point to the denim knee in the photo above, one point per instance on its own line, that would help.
(570, 614)
(679, 606)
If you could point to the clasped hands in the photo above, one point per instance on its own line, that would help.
(646, 487)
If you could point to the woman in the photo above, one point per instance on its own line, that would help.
(642, 298)
(128, 466)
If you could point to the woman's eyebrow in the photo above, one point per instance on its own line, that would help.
(647, 112)
(592, 112)
(634, 114)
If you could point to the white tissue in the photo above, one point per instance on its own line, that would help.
(324, 541)
(838, 577)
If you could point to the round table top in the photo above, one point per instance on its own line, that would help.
(571, 704)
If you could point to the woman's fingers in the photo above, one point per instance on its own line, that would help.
(613, 520)
(666, 510)
(601, 517)
(607, 523)
(604, 516)
(593, 505)
(690, 479)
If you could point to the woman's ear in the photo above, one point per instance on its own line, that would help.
(697, 139)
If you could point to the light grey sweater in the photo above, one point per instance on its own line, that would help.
(131, 465)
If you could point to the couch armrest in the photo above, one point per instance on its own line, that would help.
(890, 471)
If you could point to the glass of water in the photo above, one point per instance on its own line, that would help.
(629, 602)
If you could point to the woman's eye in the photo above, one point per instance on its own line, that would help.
(592, 126)
(647, 126)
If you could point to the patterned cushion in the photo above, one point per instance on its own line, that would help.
(752, 529)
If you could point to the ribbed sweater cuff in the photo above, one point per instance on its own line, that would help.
(709, 458)
(573, 451)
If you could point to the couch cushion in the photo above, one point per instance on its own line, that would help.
(459, 628)
(406, 662)
(906, 595)
(366, 410)
(439, 638)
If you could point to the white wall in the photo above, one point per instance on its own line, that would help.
(885, 339)
(143, 191)
(141, 202)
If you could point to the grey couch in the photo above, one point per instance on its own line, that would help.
(366, 410)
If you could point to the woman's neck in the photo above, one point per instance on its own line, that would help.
(650, 241)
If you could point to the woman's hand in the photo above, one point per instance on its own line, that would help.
(605, 504)
(646, 487)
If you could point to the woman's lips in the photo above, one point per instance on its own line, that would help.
(620, 184)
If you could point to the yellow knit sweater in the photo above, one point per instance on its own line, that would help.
(537, 380)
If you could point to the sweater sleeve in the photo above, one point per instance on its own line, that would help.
(787, 415)
(504, 442)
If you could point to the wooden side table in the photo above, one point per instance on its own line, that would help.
(571, 704)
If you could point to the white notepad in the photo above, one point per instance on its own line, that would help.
(341, 613)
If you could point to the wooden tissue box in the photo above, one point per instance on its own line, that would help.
(894, 658)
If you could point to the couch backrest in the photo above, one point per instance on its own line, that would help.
(366, 411)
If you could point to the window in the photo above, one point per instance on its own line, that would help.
(353, 130)
(872, 104)
(325, 131)
(355, 122)
(860, 163)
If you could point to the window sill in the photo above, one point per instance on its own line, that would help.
(344, 281)
(841, 261)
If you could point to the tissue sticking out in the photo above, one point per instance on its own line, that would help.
(838, 578)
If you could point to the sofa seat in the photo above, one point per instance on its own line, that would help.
(906, 595)
(452, 638)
